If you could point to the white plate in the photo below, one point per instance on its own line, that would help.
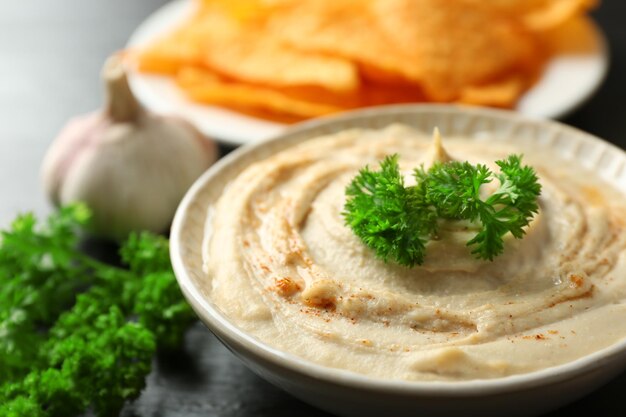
(567, 82)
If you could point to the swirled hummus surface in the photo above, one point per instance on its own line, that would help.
(283, 266)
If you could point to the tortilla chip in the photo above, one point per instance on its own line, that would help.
(206, 87)
(179, 48)
(447, 47)
(240, 9)
(189, 77)
(370, 94)
(216, 37)
(576, 36)
(503, 93)
(296, 103)
(168, 55)
(247, 9)
(540, 15)
(243, 50)
(256, 58)
(344, 28)
(442, 45)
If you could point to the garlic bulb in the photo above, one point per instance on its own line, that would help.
(129, 166)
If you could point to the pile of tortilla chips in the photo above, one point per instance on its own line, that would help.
(293, 59)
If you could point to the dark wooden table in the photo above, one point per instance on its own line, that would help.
(51, 52)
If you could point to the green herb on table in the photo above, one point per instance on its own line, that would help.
(75, 333)
(397, 221)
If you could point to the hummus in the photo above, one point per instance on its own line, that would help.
(282, 266)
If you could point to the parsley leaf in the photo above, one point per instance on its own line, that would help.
(390, 218)
(509, 209)
(397, 221)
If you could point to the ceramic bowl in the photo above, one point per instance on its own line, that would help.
(349, 394)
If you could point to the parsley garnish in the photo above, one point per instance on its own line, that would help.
(397, 221)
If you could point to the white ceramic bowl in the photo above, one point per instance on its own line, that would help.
(350, 394)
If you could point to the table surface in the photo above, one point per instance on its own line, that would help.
(50, 58)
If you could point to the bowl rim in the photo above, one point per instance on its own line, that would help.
(219, 324)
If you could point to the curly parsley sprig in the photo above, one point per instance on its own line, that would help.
(397, 221)
(76, 333)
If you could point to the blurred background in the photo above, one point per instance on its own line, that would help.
(51, 53)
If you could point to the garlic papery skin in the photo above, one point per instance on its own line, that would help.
(129, 166)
